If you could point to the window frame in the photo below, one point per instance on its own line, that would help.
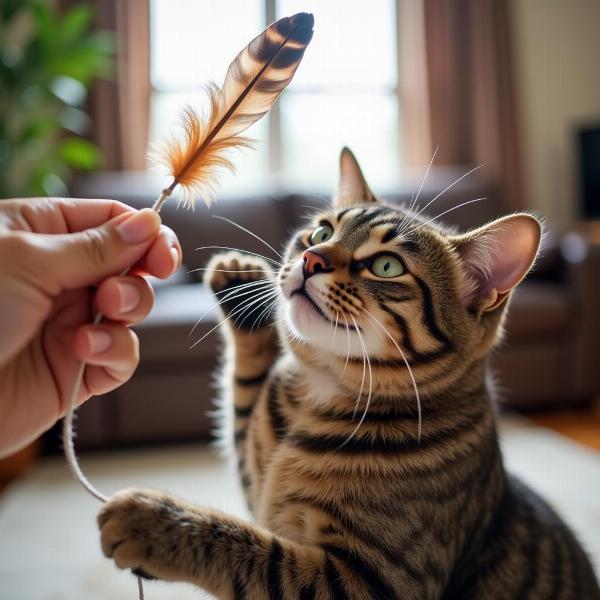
(410, 91)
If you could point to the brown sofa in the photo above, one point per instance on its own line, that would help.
(549, 357)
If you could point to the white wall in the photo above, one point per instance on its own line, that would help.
(557, 63)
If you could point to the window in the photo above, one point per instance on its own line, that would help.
(344, 93)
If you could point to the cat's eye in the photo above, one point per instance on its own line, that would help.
(321, 234)
(387, 265)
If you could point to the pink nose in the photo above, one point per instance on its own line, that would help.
(313, 262)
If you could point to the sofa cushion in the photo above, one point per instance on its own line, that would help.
(181, 315)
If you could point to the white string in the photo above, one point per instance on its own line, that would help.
(67, 432)
(68, 443)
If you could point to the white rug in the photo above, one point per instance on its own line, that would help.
(49, 544)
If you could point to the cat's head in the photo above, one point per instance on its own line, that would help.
(368, 279)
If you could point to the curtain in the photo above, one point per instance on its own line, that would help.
(120, 108)
(472, 108)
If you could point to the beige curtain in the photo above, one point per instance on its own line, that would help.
(120, 108)
(471, 90)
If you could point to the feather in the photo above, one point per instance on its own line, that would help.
(254, 80)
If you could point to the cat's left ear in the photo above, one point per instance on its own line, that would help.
(495, 259)
(353, 188)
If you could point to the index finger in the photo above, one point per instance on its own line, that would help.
(66, 215)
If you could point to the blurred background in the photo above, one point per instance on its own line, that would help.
(509, 86)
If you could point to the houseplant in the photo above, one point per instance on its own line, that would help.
(48, 58)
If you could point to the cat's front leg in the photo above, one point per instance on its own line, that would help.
(161, 537)
(245, 287)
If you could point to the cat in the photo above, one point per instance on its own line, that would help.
(363, 424)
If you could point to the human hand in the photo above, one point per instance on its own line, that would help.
(51, 252)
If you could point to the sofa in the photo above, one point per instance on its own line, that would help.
(548, 358)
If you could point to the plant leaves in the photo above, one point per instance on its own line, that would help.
(80, 153)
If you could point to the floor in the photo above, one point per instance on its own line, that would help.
(583, 426)
(49, 543)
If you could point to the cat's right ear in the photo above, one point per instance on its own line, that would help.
(352, 188)
(495, 259)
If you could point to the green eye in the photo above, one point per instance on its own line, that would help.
(387, 265)
(321, 234)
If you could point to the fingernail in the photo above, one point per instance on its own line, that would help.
(175, 258)
(139, 227)
(129, 297)
(98, 341)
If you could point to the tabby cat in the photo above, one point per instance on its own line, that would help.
(363, 424)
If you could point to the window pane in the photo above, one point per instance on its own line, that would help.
(353, 44)
(315, 127)
(251, 165)
(193, 41)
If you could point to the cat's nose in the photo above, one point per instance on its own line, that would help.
(313, 263)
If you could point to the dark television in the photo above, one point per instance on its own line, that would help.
(589, 161)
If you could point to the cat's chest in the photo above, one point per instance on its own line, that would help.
(290, 503)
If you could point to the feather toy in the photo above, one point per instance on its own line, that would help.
(254, 80)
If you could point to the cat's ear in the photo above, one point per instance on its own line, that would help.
(353, 188)
(495, 259)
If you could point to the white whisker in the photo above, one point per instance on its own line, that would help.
(246, 304)
(412, 377)
(241, 286)
(271, 260)
(226, 270)
(446, 189)
(248, 232)
(337, 314)
(348, 343)
(264, 313)
(266, 296)
(365, 356)
(237, 291)
(415, 199)
(444, 213)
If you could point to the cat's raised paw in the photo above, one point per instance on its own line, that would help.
(244, 285)
(231, 269)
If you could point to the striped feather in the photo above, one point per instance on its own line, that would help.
(254, 80)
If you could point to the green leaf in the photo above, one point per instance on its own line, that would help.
(76, 23)
(80, 153)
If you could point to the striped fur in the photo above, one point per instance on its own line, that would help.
(387, 510)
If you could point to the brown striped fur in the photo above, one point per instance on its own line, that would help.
(386, 510)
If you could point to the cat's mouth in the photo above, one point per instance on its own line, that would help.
(303, 293)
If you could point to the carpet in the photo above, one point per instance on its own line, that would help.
(49, 546)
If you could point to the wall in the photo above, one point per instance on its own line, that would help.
(557, 64)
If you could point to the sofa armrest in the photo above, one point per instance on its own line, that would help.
(581, 256)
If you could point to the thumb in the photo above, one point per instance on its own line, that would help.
(75, 260)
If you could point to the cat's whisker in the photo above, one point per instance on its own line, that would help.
(337, 314)
(245, 305)
(416, 228)
(246, 285)
(412, 377)
(226, 270)
(347, 344)
(271, 260)
(262, 295)
(254, 235)
(368, 403)
(231, 293)
(415, 199)
(239, 323)
(264, 313)
(422, 210)
(364, 372)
